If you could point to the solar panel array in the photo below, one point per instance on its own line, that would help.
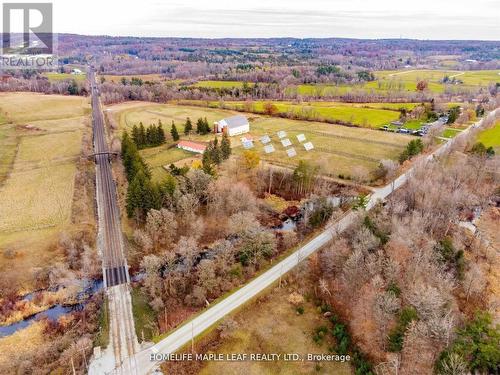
(301, 137)
(308, 146)
(247, 144)
(269, 149)
(291, 152)
(281, 134)
(286, 142)
(265, 139)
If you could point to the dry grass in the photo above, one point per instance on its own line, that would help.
(44, 137)
(24, 107)
(271, 325)
(20, 344)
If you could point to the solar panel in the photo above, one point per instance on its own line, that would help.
(265, 139)
(301, 137)
(291, 152)
(286, 142)
(308, 146)
(247, 144)
(281, 134)
(269, 149)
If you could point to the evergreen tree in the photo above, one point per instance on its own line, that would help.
(225, 147)
(200, 126)
(173, 131)
(149, 137)
(161, 134)
(142, 136)
(206, 126)
(216, 154)
(206, 160)
(188, 126)
(135, 135)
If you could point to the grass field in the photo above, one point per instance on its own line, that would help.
(38, 154)
(221, 84)
(338, 148)
(491, 137)
(360, 114)
(144, 77)
(434, 77)
(64, 76)
(20, 345)
(450, 132)
(273, 326)
(144, 316)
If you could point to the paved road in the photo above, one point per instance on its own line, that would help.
(184, 334)
(123, 339)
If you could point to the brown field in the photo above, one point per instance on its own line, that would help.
(271, 325)
(42, 144)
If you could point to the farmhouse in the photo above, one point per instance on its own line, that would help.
(233, 125)
(190, 146)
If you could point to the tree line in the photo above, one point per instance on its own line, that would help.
(152, 136)
(142, 193)
(215, 153)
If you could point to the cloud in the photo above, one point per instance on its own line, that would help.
(426, 19)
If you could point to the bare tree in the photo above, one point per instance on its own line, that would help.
(161, 226)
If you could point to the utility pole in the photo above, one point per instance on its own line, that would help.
(73, 366)
(192, 337)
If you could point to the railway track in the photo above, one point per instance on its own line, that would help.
(123, 338)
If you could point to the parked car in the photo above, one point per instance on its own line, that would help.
(404, 131)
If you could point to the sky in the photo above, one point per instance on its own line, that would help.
(421, 19)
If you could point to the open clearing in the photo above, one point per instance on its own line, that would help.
(360, 114)
(221, 84)
(43, 136)
(272, 325)
(63, 76)
(491, 137)
(143, 77)
(338, 149)
(404, 80)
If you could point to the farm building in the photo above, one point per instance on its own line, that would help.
(233, 125)
(196, 147)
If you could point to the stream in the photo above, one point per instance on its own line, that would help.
(55, 312)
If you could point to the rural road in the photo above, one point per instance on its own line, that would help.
(119, 358)
(184, 334)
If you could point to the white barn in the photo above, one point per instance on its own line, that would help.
(233, 125)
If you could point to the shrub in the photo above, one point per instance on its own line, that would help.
(394, 288)
(476, 344)
(396, 336)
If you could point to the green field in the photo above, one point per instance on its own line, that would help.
(434, 77)
(338, 148)
(491, 137)
(360, 114)
(450, 132)
(402, 80)
(40, 141)
(221, 84)
(144, 77)
(63, 76)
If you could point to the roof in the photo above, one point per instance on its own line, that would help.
(192, 145)
(235, 121)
